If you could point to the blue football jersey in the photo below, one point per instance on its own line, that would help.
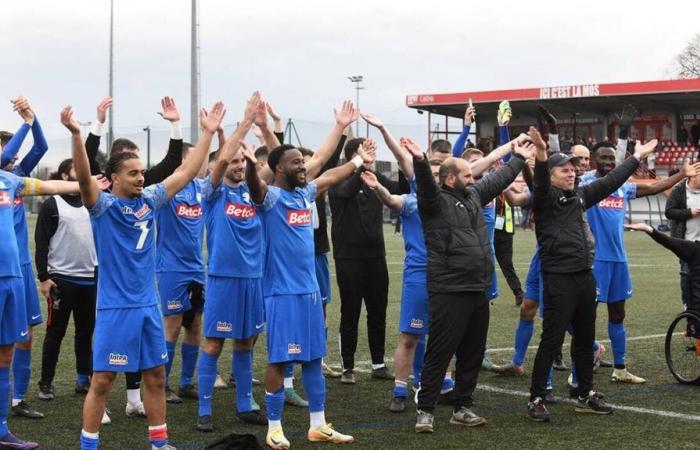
(125, 244)
(416, 259)
(606, 220)
(180, 226)
(21, 232)
(289, 255)
(11, 187)
(235, 243)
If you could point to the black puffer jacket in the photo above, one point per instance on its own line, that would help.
(565, 239)
(459, 255)
(677, 211)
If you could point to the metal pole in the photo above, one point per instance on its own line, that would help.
(148, 146)
(194, 74)
(110, 136)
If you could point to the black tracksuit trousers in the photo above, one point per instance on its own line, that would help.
(459, 323)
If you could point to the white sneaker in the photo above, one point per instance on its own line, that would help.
(623, 376)
(219, 383)
(105, 418)
(135, 410)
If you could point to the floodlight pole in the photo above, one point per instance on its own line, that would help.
(194, 74)
(110, 136)
(357, 79)
(147, 129)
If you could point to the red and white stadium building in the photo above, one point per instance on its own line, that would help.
(583, 112)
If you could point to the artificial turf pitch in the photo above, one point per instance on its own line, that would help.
(658, 414)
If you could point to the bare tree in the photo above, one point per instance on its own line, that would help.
(687, 62)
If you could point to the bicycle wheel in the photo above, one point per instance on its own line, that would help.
(683, 348)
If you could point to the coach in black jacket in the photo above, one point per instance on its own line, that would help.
(567, 249)
(360, 264)
(460, 264)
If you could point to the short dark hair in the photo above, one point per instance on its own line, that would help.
(275, 155)
(441, 146)
(351, 147)
(306, 152)
(602, 144)
(123, 145)
(63, 169)
(5, 137)
(471, 151)
(186, 147)
(449, 167)
(116, 161)
(261, 152)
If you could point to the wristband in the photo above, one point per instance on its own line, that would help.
(175, 130)
(97, 128)
(32, 186)
(357, 161)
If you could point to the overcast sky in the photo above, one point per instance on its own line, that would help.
(299, 53)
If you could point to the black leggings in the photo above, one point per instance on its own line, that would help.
(80, 301)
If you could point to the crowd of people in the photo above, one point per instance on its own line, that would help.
(267, 265)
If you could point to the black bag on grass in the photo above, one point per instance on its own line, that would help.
(236, 442)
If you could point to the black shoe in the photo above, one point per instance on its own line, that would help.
(382, 374)
(398, 404)
(605, 363)
(559, 364)
(537, 411)
(171, 397)
(205, 424)
(448, 398)
(549, 398)
(82, 388)
(252, 417)
(189, 392)
(593, 403)
(22, 409)
(46, 392)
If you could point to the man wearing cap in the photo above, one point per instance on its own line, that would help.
(567, 250)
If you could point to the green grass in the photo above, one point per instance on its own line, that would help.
(361, 410)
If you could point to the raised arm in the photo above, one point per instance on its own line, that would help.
(482, 165)
(602, 187)
(686, 250)
(210, 122)
(458, 147)
(346, 115)
(89, 191)
(336, 175)
(516, 198)
(38, 150)
(233, 143)
(10, 151)
(256, 185)
(427, 191)
(393, 202)
(490, 187)
(402, 157)
(688, 170)
(92, 143)
(173, 158)
(277, 123)
(625, 122)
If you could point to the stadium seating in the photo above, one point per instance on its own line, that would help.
(674, 154)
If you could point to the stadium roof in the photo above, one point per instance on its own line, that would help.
(680, 95)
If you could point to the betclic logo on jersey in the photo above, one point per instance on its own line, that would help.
(299, 217)
(174, 305)
(238, 211)
(294, 349)
(117, 359)
(143, 211)
(188, 211)
(612, 203)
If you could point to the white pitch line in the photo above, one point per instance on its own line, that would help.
(604, 341)
(634, 409)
